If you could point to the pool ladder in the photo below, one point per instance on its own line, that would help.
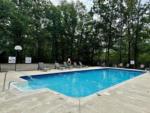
(10, 84)
(4, 82)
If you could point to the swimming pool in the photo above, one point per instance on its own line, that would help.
(79, 83)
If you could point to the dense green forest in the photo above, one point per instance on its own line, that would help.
(112, 32)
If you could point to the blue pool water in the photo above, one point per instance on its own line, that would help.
(81, 83)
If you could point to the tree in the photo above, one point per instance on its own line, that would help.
(107, 12)
(112, 31)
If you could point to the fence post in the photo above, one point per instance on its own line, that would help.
(0, 67)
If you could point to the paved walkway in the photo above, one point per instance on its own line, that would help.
(130, 97)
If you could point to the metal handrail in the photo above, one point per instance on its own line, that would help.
(10, 84)
(4, 83)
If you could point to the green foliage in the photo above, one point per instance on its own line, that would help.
(122, 25)
(50, 33)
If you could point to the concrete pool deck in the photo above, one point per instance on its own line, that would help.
(132, 96)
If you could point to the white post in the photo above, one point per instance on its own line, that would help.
(17, 48)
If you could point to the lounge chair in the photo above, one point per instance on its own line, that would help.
(75, 64)
(80, 64)
(66, 65)
(147, 69)
(115, 65)
(103, 64)
(127, 65)
(57, 66)
(120, 65)
(41, 66)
